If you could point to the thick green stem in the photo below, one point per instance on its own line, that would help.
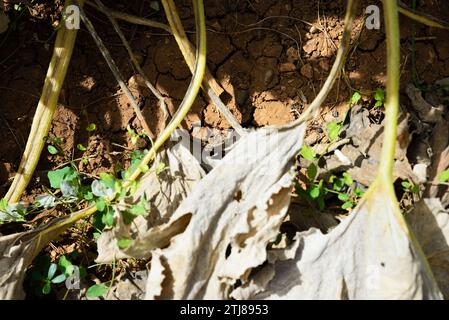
(385, 174)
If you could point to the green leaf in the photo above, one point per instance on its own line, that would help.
(58, 279)
(108, 217)
(66, 266)
(45, 200)
(347, 179)
(314, 191)
(88, 195)
(52, 150)
(308, 153)
(57, 176)
(355, 97)
(359, 192)
(107, 179)
(124, 243)
(3, 204)
(312, 171)
(97, 290)
(52, 270)
(46, 288)
(138, 210)
(379, 95)
(347, 205)
(100, 204)
(338, 184)
(333, 130)
(80, 147)
(343, 196)
(444, 176)
(91, 127)
(407, 185)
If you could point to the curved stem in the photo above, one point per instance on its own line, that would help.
(392, 93)
(57, 70)
(336, 67)
(184, 108)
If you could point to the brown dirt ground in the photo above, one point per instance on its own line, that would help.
(270, 56)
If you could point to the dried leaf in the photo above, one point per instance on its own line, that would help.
(370, 255)
(430, 223)
(364, 153)
(18, 251)
(164, 192)
(234, 212)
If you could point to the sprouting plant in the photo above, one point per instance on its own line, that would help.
(334, 127)
(318, 191)
(134, 135)
(91, 127)
(379, 96)
(81, 147)
(44, 274)
(54, 145)
(408, 186)
(343, 188)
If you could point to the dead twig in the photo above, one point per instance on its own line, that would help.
(133, 58)
(115, 71)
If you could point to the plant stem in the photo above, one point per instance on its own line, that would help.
(336, 67)
(392, 93)
(184, 108)
(57, 70)
(210, 87)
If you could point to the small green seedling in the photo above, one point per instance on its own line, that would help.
(408, 186)
(355, 98)
(91, 127)
(47, 274)
(379, 96)
(134, 135)
(334, 127)
(81, 147)
(54, 145)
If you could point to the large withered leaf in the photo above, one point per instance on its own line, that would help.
(371, 254)
(430, 223)
(18, 251)
(164, 192)
(234, 212)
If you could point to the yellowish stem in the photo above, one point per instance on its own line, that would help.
(385, 175)
(57, 70)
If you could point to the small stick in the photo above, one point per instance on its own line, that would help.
(132, 19)
(115, 71)
(133, 58)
